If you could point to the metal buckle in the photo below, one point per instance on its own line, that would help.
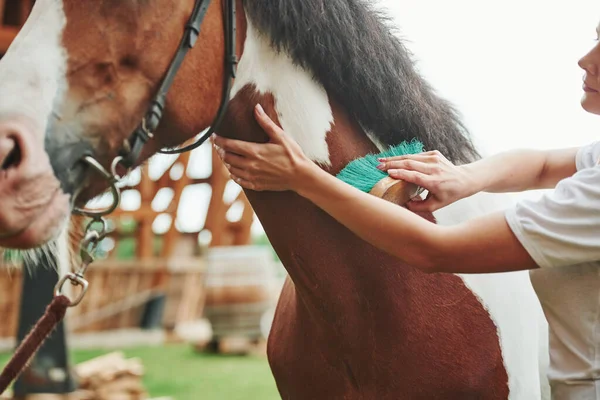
(147, 131)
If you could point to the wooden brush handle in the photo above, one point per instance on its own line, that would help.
(395, 191)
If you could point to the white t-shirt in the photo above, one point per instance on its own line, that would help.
(561, 232)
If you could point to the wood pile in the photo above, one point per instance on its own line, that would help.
(111, 377)
(108, 377)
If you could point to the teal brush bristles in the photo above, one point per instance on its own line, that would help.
(363, 174)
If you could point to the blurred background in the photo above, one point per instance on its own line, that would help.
(182, 299)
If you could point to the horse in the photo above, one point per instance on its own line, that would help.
(352, 322)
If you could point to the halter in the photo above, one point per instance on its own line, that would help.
(132, 147)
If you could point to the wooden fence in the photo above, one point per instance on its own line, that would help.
(118, 295)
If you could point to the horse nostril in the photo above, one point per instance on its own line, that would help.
(10, 153)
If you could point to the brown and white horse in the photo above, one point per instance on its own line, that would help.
(352, 322)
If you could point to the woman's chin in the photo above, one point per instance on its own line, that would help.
(590, 102)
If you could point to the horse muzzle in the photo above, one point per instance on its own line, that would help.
(32, 205)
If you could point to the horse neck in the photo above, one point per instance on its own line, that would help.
(325, 260)
(322, 128)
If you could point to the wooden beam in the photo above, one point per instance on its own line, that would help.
(197, 181)
(179, 186)
(144, 212)
(217, 209)
(25, 10)
(244, 234)
(2, 8)
(145, 240)
(7, 35)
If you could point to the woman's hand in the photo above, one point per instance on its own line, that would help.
(277, 165)
(445, 182)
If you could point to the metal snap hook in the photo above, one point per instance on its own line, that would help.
(99, 232)
(75, 280)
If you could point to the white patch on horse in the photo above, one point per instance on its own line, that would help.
(512, 304)
(32, 82)
(302, 104)
(32, 72)
(63, 251)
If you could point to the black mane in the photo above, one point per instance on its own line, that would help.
(351, 51)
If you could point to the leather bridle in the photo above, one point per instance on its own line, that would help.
(132, 147)
(154, 114)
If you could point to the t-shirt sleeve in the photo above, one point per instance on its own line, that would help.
(588, 156)
(563, 227)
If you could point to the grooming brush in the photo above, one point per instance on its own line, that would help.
(363, 174)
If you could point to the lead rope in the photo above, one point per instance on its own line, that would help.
(94, 232)
(56, 310)
(34, 340)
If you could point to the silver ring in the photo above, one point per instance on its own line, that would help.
(101, 233)
(113, 169)
(92, 162)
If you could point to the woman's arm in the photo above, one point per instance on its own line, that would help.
(511, 171)
(481, 245)
(519, 170)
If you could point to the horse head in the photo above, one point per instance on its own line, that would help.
(77, 81)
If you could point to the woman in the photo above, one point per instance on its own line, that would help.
(558, 235)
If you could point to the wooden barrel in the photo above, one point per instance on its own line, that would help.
(239, 290)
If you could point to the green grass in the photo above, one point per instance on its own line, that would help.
(180, 372)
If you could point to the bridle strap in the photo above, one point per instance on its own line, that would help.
(229, 73)
(145, 131)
